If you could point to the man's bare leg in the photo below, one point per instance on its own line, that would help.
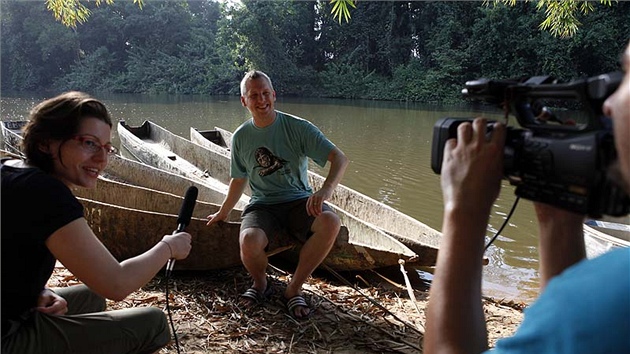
(252, 245)
(325, 229)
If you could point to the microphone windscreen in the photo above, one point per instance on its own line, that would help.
(185, 213)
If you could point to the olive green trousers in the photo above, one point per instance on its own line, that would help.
(87, 328)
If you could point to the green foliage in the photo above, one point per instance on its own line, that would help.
(345, 81)
(340, 8)
(391, 50)
(561, 15)
(90, 74)
(73, 12)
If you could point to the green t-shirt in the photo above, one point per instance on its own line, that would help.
(275, 158)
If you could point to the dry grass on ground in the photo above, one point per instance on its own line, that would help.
(372, 316)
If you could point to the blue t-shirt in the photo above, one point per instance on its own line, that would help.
(586, 309)
(275, 158)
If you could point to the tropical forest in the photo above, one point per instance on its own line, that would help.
(421, 51)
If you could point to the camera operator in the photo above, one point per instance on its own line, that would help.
(584, 306)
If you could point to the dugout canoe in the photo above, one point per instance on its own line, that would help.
(416, 235)
(12, 136)
(601, 236)
(598, 239)
(130, 219)
(127, 232)
(157, 146)
(343, 256)
(131, 197)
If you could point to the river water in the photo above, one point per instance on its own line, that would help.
(389, 147)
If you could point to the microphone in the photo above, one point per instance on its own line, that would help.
(185, 213)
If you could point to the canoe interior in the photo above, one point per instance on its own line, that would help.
(215, 137)
(205, 139)
(163, 150)
(141, 174)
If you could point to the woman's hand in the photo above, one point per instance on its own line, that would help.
(179, 244)
(50, 303)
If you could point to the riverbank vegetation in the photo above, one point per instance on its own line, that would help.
(395, 50)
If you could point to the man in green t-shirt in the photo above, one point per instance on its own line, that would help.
(270, 153)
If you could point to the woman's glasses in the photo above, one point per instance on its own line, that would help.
(91, 144)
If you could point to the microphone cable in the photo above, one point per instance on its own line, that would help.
(167, 274)
(183, 219)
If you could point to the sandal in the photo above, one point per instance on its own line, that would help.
(255, 297)
(295, 302)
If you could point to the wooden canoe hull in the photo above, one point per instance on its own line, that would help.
(12, 136)
(598, 243)
(141, 174)
(113, 199)
(138, 197)
(615, 226)
(362, 240)
(159, 148)
(129, 232)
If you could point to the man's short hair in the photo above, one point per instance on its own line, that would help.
(251, 75)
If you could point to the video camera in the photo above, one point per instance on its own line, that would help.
(562, 154)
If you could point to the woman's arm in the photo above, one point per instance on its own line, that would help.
(83, 254)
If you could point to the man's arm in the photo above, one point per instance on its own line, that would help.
(471, 181)
(338, 163)
(561, 241)
(235, 190)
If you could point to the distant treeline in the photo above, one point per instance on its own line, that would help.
(390, 50)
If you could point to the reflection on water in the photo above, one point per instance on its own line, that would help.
(389, 147)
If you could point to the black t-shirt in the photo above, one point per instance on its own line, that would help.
(34, 205)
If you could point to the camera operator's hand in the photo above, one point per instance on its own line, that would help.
(473, 167)
(561, 240)
(471, 180)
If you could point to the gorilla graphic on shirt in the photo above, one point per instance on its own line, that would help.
(268, 162)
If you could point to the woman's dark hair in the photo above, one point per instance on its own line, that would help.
(58, 119)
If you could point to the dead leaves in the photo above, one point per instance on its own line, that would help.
(208, 319)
